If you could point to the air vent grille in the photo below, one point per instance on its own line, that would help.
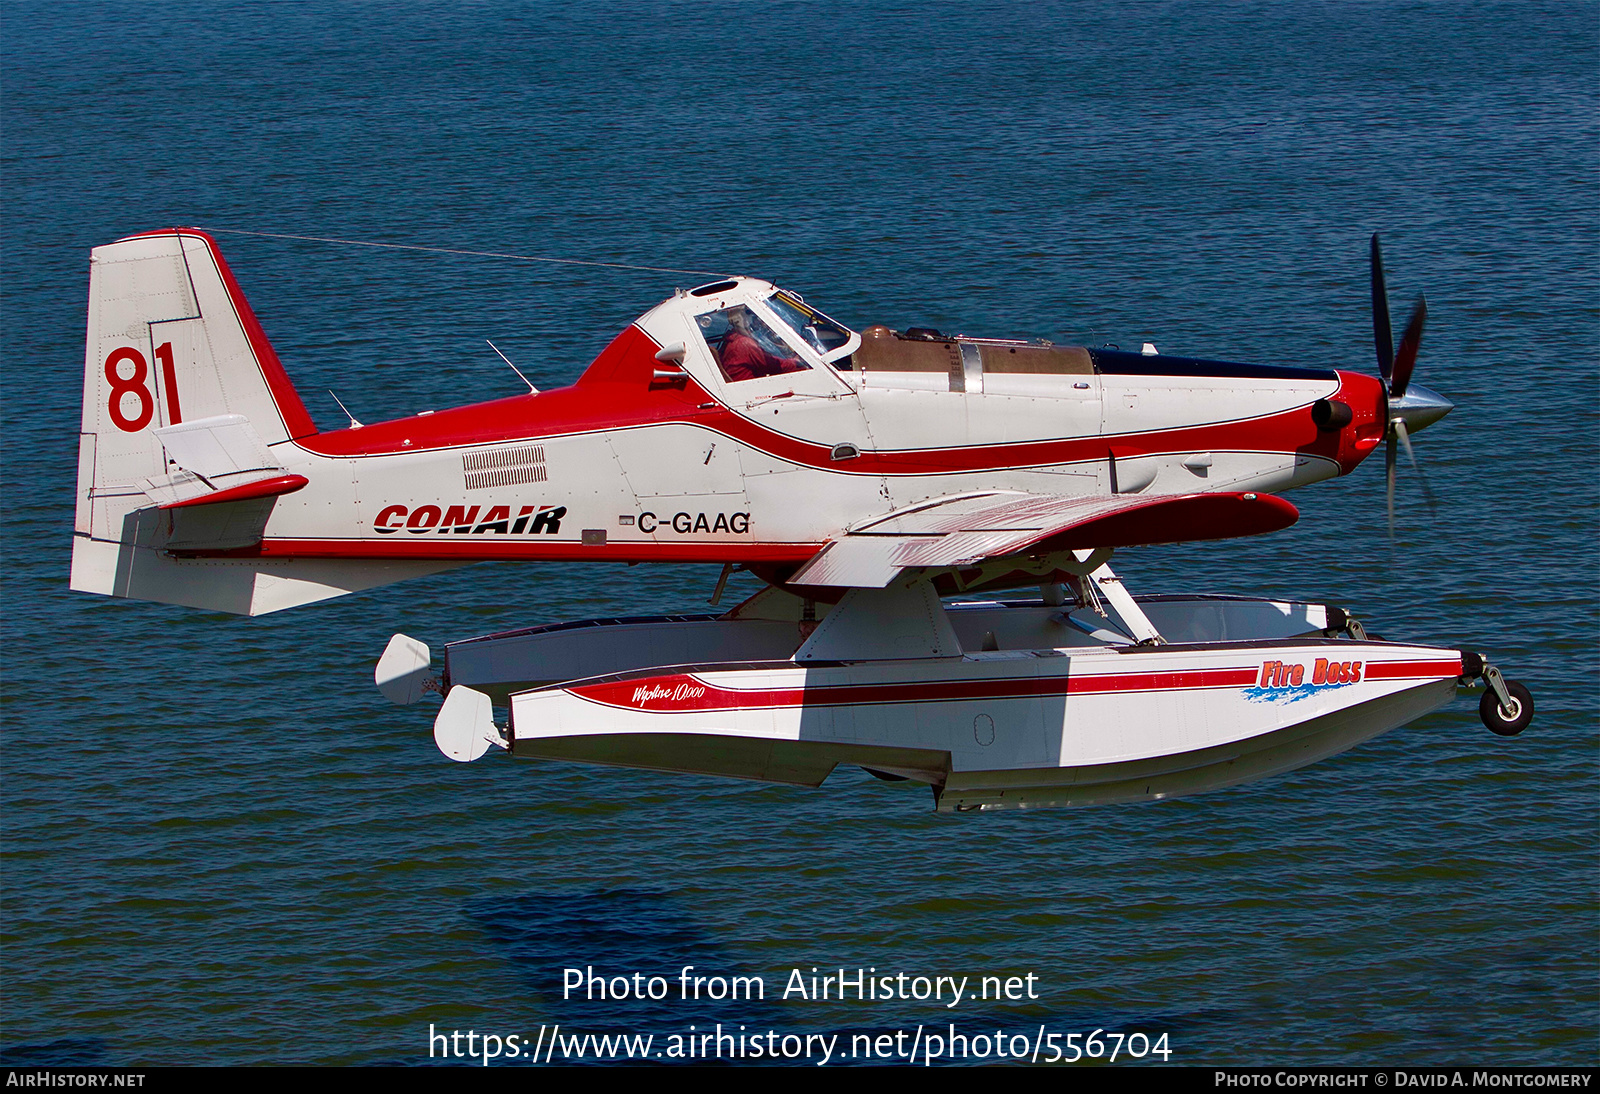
(504, 467)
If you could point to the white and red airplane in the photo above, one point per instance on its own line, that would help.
(734, 423)
(861, 475)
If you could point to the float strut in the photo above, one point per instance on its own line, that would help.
(1497, 684)
(722, 583)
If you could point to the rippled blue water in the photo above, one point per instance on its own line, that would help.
(219, 843)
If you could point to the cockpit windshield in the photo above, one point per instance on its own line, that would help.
(815, 329)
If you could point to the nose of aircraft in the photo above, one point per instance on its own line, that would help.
(1419, 407)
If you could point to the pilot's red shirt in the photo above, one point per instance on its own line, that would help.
(744, 359)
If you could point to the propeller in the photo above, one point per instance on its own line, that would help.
(1408, 407)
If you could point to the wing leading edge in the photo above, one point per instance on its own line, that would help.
(966, 529)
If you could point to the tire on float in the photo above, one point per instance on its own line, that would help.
(1507, 723)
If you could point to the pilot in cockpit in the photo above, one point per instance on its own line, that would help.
(743, 357)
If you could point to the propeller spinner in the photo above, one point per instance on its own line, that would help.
(1409, 407)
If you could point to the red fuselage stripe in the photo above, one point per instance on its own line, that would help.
(471, 548)
(1289, 431)
(615, 393)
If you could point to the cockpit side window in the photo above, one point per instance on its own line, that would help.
(744, 346)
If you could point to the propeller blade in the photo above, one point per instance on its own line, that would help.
(1382, 333)
(1405, 358)
(1388, 476)
(1399, 429)
(1397, 363)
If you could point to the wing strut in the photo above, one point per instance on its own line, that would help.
(1107, 584)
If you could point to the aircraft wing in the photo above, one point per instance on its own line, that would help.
(966, 529)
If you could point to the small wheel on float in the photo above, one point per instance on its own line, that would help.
(1499, 719)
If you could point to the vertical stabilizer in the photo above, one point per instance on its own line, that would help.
(171, 340)
(184, 401)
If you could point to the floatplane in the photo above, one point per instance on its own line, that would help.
(877, 481)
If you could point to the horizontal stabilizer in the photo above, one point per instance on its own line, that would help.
(245, 586)
(216, 459)
(217, 447)
(273, 486)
